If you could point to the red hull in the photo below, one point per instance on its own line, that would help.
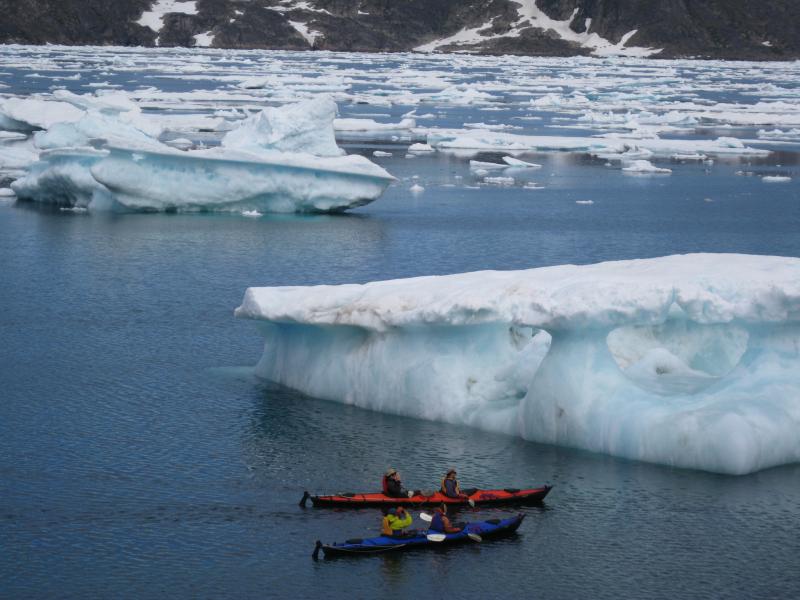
(479, 497)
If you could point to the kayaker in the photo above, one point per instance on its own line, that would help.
(393, 487)
(450, 487)
(395, 522)
(440, 523)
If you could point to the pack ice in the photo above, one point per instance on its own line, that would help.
(279, 160)
(691, 361)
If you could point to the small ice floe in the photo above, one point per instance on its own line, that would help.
(693, 156)
(409, 155)
(491, 126)
(778, 134)
(645, 167)
(420, 148)
(708, 200)
(370, 125)
(584, 201)
(7, 195)
(74, 209)
(479, 165)
(252, 214)
(532, 185)
(745, 173)
(416, 189)
(180, 143)
(504, 181)
(776, 178)
(520, 164)
(380, 153)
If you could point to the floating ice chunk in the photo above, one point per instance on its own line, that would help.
(30, 114)
(379, 153)
(416, 189)
(108, 102)
(693, 156)
(371, 125)
(776, 178)
(584, 201)
(6, 193)
(490, 126)
(690, 361)
(479, 165)
(252, 213)
(462, 96)
(645, 167)
(520, 164)
(420, 148)
(779, 134)
(482, 140)
(504, 181)
(280, 160)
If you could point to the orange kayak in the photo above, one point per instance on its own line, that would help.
(479, 497)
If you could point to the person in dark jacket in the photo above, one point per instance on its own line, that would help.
(440, 523)
(393, 486)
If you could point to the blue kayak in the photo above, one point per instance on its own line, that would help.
(491, 529)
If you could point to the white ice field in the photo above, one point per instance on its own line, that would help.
(154, 129)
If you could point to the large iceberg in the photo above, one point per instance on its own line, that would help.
(691, 361)
(278, 160)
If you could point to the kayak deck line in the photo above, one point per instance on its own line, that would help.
(476, 496)
(491, 529)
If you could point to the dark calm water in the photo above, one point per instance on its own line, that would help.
(139, 458)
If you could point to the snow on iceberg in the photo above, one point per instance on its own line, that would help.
(691, 361)
(279, 160)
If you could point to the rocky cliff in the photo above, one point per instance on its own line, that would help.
(730, 29)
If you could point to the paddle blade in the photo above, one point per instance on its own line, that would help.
(425, 517)
(471, 502)
(436, 537)
(475, 537)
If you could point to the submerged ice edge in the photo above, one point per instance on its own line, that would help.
(701, 372)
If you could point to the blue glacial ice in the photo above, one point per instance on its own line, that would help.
(278, 160)
(691, 361)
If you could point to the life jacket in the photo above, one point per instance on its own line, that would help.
(437, 523)
(392, 524)
(449, 487)
(386, 527)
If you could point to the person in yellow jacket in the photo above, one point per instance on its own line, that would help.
(395, 522)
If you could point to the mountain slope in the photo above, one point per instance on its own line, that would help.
(731, 29)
